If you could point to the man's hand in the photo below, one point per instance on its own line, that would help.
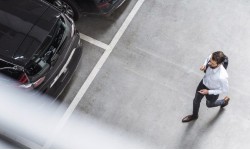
(203, 67)
(203, 91)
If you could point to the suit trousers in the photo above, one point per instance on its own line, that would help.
(211, 100)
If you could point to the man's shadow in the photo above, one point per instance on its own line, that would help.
(191, 137)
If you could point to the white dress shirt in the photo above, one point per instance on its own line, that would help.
(216, 79)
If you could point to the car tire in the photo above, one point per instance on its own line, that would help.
(68, 7)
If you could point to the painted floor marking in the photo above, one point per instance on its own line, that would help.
(93, 41)
(93, 74)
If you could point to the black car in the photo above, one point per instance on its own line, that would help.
(39, 46)
(74, 8)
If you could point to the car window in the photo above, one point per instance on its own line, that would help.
(47, 55)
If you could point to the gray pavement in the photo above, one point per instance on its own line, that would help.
(148, 82)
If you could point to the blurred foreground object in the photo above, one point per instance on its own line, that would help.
(31, 120)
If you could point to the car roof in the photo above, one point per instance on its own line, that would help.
(24, 24)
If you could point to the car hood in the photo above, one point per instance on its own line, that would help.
(24, 25)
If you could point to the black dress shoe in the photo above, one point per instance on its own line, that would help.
(189, 118)
(226, 99)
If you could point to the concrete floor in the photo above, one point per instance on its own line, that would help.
(148, 82)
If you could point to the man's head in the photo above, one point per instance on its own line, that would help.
(216, 59)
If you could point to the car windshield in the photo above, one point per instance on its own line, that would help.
(41, 60)
(49, 50)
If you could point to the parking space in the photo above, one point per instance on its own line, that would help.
(104, 28)
(145, 84)
(91, 55)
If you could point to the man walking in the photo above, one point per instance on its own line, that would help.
(213, 83)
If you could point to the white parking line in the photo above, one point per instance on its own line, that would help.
(93, 41)
(93, 74)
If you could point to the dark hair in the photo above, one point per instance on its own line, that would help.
(218, 56)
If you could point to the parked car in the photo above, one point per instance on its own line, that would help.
(74, 8)
(39, 46)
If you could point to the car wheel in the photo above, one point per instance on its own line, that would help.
(69, 7)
